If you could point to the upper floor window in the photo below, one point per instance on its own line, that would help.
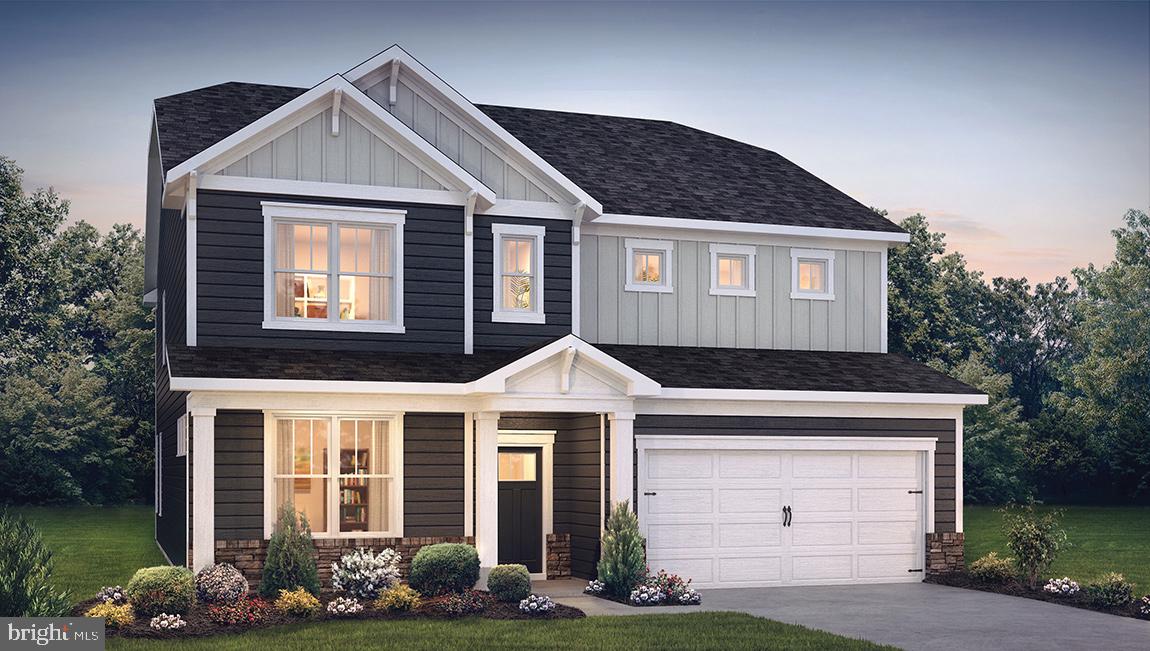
(812, 274)
(732, 270)
(649, 265)
(333, 268)
(518, 288)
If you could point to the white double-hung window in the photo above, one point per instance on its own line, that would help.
(813, 274)
(517, 293)
(333, 268)
(732, 270)
(344, 473)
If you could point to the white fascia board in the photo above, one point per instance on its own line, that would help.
(826, 396)
(249, 385)
(318, 98)
(478, 118)
(740, 227)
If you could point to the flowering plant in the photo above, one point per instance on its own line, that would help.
(469, 602)
(220, 584)
(647, 595)
(244, 611)
(537, 605)
(1145, 607)
(166, 622)
(298, 603)
(1063, 586)
(595, 587)
(115, 615)
(343, 606)
(112, 595)
(363, 574)
(398, 598)
(675, 588)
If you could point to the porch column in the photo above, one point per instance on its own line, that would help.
(487, 489)
(203, 487)
(622, 457)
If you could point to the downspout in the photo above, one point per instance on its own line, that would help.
(602, 474)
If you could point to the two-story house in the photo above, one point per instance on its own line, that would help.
(419, 319)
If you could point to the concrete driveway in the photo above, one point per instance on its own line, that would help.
(918, 616)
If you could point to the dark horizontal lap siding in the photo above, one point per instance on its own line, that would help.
(230, 278)
(433, 475)
(171, 526)
(941, 429)
(556, 286)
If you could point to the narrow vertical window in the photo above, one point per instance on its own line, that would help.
(517, 293)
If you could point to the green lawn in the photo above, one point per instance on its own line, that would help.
(680, 631)
(1103, 539)
(94, 547)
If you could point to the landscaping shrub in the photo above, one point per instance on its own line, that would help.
(112, 594)
(992, 569)
(162, 589)
(1145, 607)
(445, 567)
(363, 574)
(647, 595)
(220, 584)
(509, 582)
(1111, 591)
(344, 606)
(245, 612)
(622, 563)
(26, 572)
(676, 589)
(398, 598)
(1064, 587)
(297, 603)
(596, 588)
(166, 622)
(536, 605)
(468, 602)
(1036, 539)
(290, 563)
(115, 615)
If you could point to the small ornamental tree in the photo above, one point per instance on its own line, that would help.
(623, 560)
(291, 556)
(26, 572)
(1036, 539)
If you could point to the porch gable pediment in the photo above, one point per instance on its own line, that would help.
(568, 367)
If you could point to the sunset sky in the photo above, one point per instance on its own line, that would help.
(1021, 130)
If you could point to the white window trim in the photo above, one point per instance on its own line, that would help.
(667, 248)
(159, 492)
(743, 250)
(395, 456)
(498, 314)
(813, 254)
(334, 215)
(182, 436)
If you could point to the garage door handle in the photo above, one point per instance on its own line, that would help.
(786, 516)
(649, 493)
(914, 492)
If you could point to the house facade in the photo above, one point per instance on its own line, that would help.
(418, 319)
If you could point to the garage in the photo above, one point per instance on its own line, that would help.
(750, 512)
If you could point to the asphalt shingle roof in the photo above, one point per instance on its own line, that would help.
(632, 166)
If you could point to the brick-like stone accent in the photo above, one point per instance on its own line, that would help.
(558, 555)
(945, 553)
(248, 555)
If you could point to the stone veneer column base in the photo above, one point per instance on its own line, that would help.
(558, 555)
(945, 553)
(248, 555)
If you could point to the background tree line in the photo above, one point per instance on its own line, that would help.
(1067, 365)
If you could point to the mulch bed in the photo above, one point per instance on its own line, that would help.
(1017, 589)
(200, 625)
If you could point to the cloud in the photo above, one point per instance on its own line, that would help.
(958, 226)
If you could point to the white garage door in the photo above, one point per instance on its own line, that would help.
(719, 516)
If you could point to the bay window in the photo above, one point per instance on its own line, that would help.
(517, 293)
(333, 268)
(341, 472)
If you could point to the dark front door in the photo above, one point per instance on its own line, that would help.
(521, 507)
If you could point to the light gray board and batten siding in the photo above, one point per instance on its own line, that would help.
(691, 316)
(432, 475)
(937, 428)
(457, 142)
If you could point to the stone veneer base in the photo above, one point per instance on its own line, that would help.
(558, 555)
(945, 553)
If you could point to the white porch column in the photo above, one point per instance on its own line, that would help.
(203, 487)
(622, 457)
(487, 489)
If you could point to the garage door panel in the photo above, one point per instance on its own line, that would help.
(750, 569)
(888, 533)
(700, 569)
(750, 500)
(888, 466)
(886, 566)
(683, 500)
(750, 534)
(821, 500)
(679, 465)
(886, 499)
(675, 536)
(813, 568)
(822, 466)
(819, 534)
(750, 465)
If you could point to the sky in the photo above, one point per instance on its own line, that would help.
(1020, 130)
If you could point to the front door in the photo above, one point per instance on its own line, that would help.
(521, 507)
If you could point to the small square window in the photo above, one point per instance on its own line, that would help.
(812, 274)
(648, 268)
(732, 270)
(649, 265)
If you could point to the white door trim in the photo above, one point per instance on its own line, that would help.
(538, 439)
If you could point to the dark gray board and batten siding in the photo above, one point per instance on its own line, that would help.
(171, 524)
(432, 469)
(230, 283)
(941, 429)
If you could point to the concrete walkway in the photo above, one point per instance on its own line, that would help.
(910, 616)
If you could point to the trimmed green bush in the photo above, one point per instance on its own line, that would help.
(443, 568)
(1111, 591)
(26, 572)
(993, 569)
(1036, 539)
(509, 582)
(291, 556)
(623, 561)
(161, 589)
